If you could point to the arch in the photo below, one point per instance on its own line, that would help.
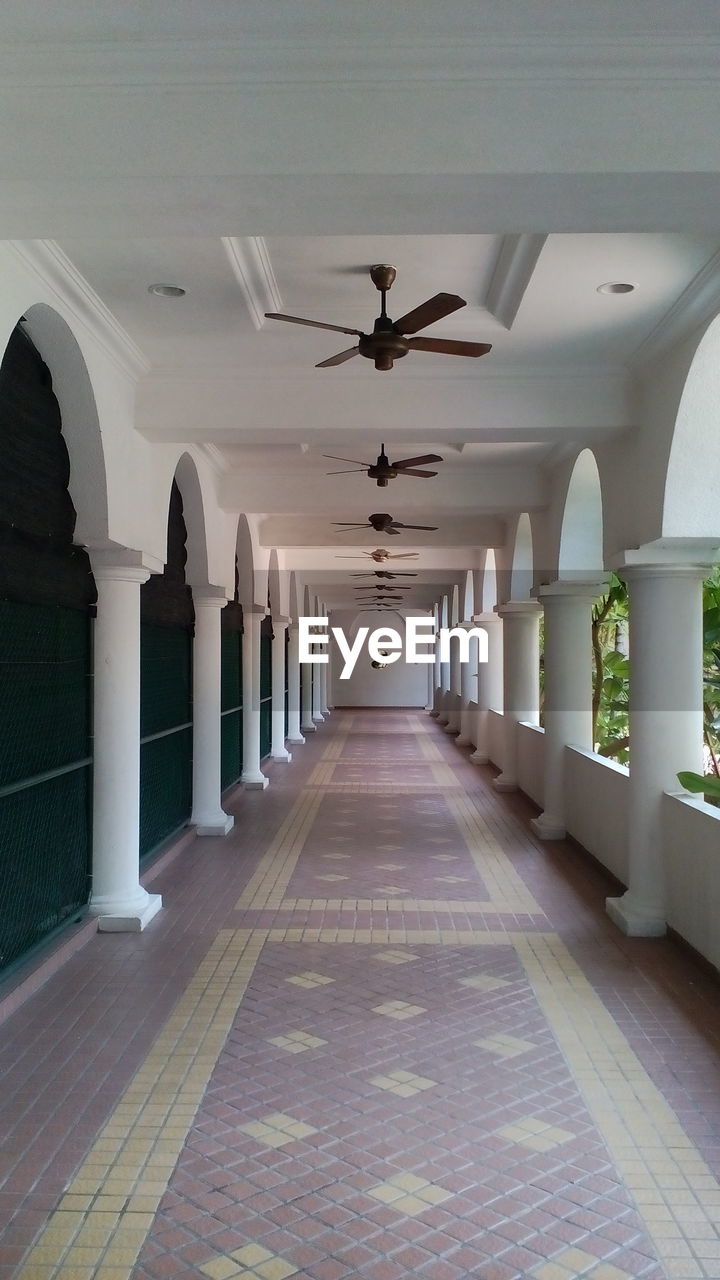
(73, 388)
(489, 583)
(455, 606)
(692, 478)
(468, 604)
(581, 533)
(188, 482)
(521, 572)
(278, 587)
(251, 566)
(444, 612)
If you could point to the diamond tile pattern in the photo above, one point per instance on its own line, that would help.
(400, 1089)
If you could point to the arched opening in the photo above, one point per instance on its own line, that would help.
(521, 575)
(231, 690)
(167, 622)
(581, 535)
(490, 584)
(46, 596)
(468, 604)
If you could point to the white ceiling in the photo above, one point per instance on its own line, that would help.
(264, 156)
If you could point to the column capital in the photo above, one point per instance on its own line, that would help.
(688, 556)
(123, 564)
(519, 609)
(484, 619)
(209, 597)
(280, 622)
(647, 571)
(569, 589)
(254, 610)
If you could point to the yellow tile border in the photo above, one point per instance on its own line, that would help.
(109, 1206)
(675, 1191)
(491, 862)
(443, 905)
(267, 886)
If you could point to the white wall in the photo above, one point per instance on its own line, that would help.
(531, 753)
(496, 740)
(399, 685)
(692, 867)
(596, 807)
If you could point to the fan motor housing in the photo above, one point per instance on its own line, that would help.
(384, 346)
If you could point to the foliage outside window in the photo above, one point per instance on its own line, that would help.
(611, 673)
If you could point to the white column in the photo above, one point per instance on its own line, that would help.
(118, 899)
(490, 684)
(455, 691)
(468, 691)
(436, 671)
(567, 708)
(251, 777)
(293, 734)
(430, 687)
(521, 680)
(666, 725)
(306, 678)
(317, 714)
(278, 750)
(208, 815)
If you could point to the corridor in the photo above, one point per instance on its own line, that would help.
(378, 1031)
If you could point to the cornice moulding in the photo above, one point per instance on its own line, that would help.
(250, 262)
(697, 304)
(46, 260)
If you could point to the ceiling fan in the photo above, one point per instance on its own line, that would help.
(380, 555)
(383, 470)
(381, 522)
(383, 573)
(388, 342)
(383, 587)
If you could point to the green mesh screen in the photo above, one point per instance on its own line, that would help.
(44, 689)
(265, 695)
(166, 710)
(44, 726)
(231, 708)
(44, 859)
(165, 787)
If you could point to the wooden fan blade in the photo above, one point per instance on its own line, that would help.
(404, 555)
(421, 461)
(448, 347)
(443, 304)
(354, 471)
(335, 458)
(313, 324)
(430, 528)
(404, 471)
(345, 524)
(340, 358)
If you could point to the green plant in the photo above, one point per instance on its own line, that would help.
(611, 673)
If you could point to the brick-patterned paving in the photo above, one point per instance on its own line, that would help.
(402, 1085)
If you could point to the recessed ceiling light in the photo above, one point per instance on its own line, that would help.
(615, 286)
(167, 290)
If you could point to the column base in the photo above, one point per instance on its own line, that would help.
(213, 825)
(318, 719)
(254, 781)
(325, 712)
(299, 741)
(281, 757)
(432, 712)
(462, 740)
(479, 757)
(633, 920)
(504, 783)
(127, 920)
(308, 728)
(547, 827)
(451, 728)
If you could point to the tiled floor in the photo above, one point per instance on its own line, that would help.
(379, 1031)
